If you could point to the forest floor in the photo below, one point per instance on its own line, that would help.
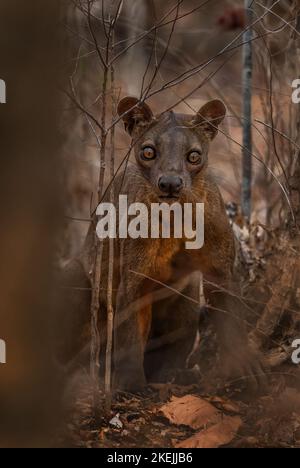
(172, 416)
(211, 413)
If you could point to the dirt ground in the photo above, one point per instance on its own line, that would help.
(170, 416)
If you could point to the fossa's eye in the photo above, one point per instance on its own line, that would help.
(194, 157)
(148, 153)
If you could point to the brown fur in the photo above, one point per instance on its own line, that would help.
(155, 328)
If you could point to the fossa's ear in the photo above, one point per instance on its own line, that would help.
(134, 113)
(210, 116)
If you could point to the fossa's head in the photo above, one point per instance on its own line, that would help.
(171, 149)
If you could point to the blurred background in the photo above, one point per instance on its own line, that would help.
(31, 216)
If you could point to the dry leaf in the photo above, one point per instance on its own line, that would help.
(220, 434)
(190, 411)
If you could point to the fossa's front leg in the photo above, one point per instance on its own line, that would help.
(132, 328)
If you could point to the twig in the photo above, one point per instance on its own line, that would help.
(247, 117)
(110, 309)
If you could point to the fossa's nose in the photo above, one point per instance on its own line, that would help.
(170, 185)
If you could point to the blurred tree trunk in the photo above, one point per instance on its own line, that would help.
(30, 216)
